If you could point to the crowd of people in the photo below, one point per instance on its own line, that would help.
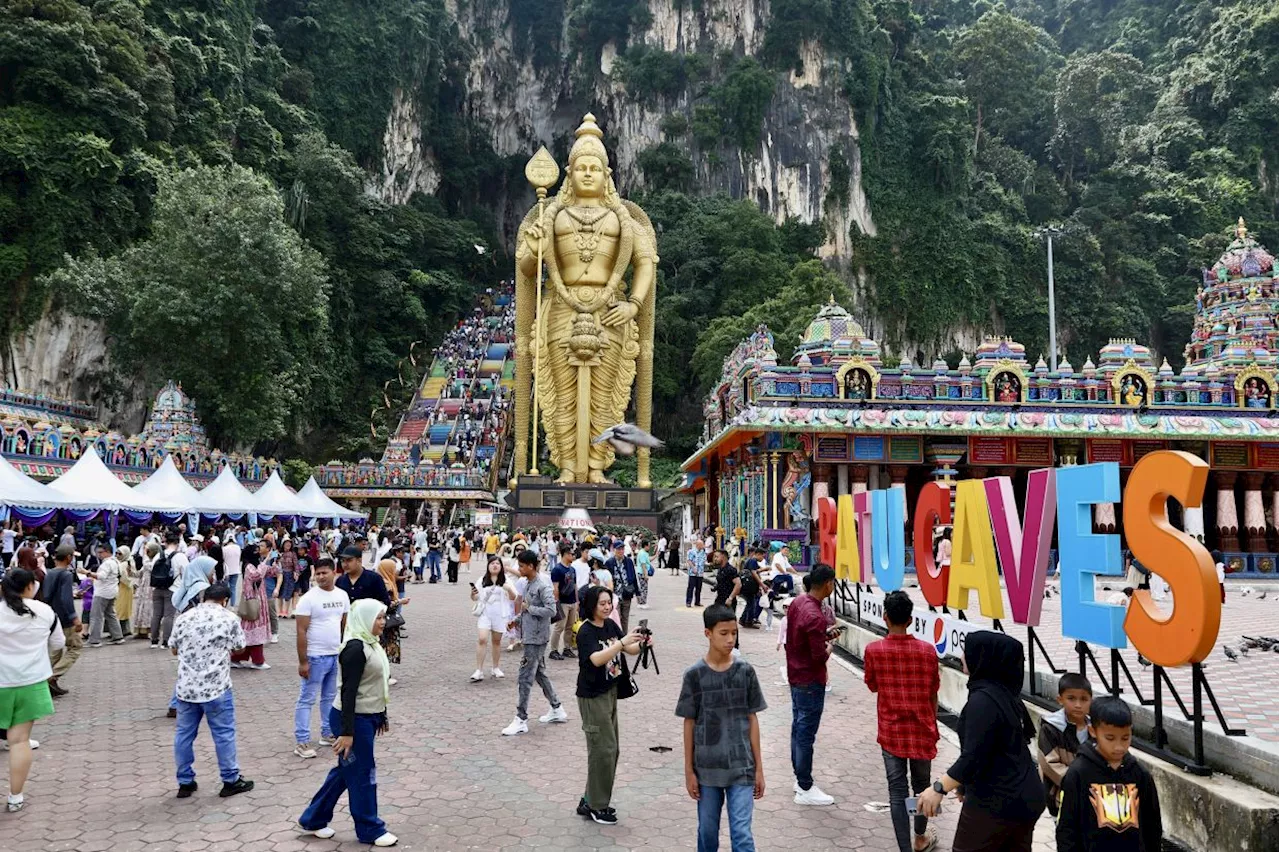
(214, 599)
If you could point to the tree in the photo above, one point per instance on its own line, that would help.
(1006, 63)
(1098, 94)
(221, 267)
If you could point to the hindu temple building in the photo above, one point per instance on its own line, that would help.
(43, 437)
(839, 420)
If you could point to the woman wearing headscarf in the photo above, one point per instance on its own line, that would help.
(391, 635)
(358, 715)
(194, 580)
(289, 571)
(124, 597)
(257, 632)
(140, 616)
(1003, 796)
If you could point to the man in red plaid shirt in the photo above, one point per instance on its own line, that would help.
(903, 672)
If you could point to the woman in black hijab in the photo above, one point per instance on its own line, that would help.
(999, 783)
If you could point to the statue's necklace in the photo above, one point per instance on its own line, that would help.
(589, 230)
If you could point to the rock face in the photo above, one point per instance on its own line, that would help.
(523, 107)
(65, 356)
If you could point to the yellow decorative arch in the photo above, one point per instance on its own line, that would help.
(1005, 365)
(1253, 371)
(857, 363)
(1131, 368)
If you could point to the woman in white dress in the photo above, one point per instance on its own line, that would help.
(494, 598)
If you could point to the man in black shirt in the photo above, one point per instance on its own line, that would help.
(728, 583)
(359, 583)
(58, 586)
(752, 586)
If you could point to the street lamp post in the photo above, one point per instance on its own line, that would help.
(1049, 232)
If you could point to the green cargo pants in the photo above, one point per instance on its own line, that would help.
(600, 724)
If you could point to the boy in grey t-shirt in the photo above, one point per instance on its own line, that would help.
(719, 700)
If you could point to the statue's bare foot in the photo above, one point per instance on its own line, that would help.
(597, 477)
(566, 476)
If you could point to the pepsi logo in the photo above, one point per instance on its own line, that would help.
(940, 636)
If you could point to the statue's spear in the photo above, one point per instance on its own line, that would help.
(542, 173)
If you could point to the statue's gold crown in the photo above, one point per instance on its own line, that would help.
(589, 141)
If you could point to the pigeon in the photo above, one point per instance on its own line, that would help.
(1231, 655)
(624, 438)
(1143, 661)
(1246, 591)
(1262, 596)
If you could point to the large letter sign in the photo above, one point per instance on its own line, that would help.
(888, 539)
(827, 531)
(1188, 633)
(933, 507)
(1023, 548)
(1083, 554)
(973, 558)
(848, 559)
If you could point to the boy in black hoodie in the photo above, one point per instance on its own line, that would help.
(1109, 802)
(1062, 733)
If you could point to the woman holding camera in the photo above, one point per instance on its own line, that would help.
(600, 646)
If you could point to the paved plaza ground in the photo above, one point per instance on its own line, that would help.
(103, 778)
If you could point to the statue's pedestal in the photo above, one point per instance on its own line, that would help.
(537, 501)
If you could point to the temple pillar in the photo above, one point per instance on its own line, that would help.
(775, 491)
(842, 479)
(821, 487)
(1228, 522)
(1255, 517)
(898, 478)
(1193, 522)
(976, 473)
(436, 507)
(860, 477)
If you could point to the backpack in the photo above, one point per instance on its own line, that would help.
(162, 572)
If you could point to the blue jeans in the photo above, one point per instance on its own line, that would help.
(323, 680)
(419, 565)
(232, 581)
(433, 564)
(741, 802)
(357, 776)
(806, 714)
(220, 713)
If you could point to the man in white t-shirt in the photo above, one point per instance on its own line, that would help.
(231, 558)
(321, 615)
(581, 568)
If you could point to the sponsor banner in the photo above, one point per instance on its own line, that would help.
(484, 518)
(944, 633)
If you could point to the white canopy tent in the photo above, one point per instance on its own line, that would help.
(275, 498)
(89, 481)
(225, 496)
(320, 505)
(169, 485)
(18, 489)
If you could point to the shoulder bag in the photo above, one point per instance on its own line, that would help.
(250, 608)
(627, 685)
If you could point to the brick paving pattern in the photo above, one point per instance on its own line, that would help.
(103, 778)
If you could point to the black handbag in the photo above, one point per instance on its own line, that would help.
(394, 619)
(627, 685)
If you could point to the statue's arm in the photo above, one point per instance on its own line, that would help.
(643, 267)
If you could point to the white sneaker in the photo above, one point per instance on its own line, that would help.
(477, 676)
(497, 672)
(387, 839)
(323, 833)
(275, 637)
(392, 681)
(517, 726)
(262, 667)
(304, 750)
(34, 743)
(812, 796)
(324, 741)
(555, 714)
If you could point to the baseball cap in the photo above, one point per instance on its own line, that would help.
(352, 552)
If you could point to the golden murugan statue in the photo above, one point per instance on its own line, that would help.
(593, 334)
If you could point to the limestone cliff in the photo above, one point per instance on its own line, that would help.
(523, 106)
